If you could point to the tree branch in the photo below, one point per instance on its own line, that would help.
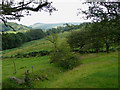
(5, 23)
(30, 8)
(9, 12)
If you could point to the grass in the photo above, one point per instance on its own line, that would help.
(92, 75)
(39, 64)
(17, 31)
(96, 71)
(32, 46)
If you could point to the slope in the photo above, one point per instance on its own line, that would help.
(100, 72)
(96, 71)
(17, 27)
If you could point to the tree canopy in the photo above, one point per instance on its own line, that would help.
(99, 11)
(103, 32)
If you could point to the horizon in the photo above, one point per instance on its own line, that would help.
(55, 23)
(67, 12)
(48, 23)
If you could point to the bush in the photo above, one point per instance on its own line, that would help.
(62, 56)
(32, 54)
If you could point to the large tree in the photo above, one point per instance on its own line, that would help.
(14, 10)
(108, 14)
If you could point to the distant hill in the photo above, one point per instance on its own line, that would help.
(17, 27)
(50, 26)
(23, 28)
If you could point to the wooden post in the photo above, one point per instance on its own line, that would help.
(14, 68)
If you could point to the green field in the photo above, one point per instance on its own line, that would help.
(96, 71)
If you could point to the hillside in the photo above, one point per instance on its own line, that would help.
(96, 71)
(23, 28)
(50, 26)
(17, 27)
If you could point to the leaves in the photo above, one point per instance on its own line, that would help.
(102, 11)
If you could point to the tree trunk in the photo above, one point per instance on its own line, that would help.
(97, 50)
(107, 47)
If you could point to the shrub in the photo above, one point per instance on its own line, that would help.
(62, 56)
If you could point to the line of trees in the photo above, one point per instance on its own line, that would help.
(67, 27)
(11, 40)
(96, 37)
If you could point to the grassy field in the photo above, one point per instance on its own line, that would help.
(36, 45)
(96, 71)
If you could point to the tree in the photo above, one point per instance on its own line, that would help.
(36, 34)
(77, 39)
(96, 36)
(108, 14)
(100, 11)
(61, 53)
(81, 39)
(14, 10)
(12, 40)
(23, 37)
(109, 32)
(53, 38)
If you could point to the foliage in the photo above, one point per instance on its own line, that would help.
(105, 30)
(99, 11)
(77, 39)
(61, 54)
(11, 40)
(64, 57)
(67, 27)
(96, 36)
(107, 36)
(35, 34)
(32, 54)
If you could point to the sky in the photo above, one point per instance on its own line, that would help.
(67, 12)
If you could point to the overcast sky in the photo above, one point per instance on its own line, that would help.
(67, 12)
